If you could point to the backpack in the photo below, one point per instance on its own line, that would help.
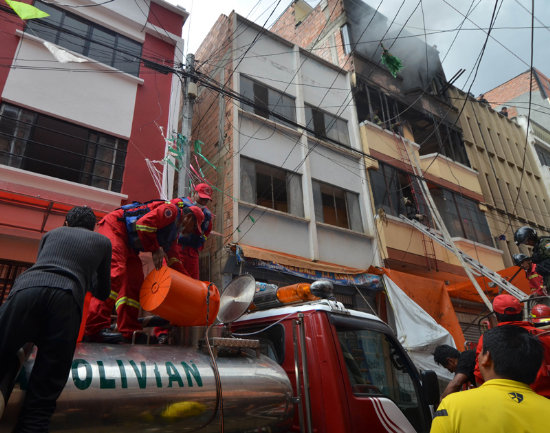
(133, 212)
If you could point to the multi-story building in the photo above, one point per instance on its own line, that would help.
(80, 112)
(293, 202)
(509, 173)
(403, 119)
(408, 122)
(516, 94)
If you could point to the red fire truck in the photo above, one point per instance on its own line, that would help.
(288, 366)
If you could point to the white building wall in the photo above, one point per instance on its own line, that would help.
(284, 67)
(90, 94)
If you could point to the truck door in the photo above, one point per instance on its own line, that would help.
(382, 385)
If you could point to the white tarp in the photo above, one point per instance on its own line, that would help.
(417, 331)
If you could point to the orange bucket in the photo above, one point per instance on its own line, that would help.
(179, 298)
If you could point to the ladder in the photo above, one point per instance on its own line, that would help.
(472, 263)
(441, 224)
(427, 243)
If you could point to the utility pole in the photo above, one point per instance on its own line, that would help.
(189, 95)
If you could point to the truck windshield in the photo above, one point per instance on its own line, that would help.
(375, 365)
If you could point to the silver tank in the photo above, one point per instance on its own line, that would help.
(137, 388)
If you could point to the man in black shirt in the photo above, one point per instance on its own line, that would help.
(45, 307)
(462, 364)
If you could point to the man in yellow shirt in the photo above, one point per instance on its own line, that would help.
(504, 403)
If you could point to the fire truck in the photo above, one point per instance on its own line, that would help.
(289, 359)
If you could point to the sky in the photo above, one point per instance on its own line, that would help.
(507, 53)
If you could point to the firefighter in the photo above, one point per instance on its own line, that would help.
(541, 255)
(536, 282)
(540, 315)
(152, 227)
(192, 243)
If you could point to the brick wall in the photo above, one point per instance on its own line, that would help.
(212, 124)
(511, 89)
(315, 31)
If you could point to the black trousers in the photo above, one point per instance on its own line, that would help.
(50, 318)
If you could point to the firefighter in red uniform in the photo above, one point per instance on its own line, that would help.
(192, 243)
(153, 227)
(536, 281)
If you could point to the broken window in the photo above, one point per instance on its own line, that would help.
(433, 135)
(327, 125)
(336, 206)
(379, 108)
(46, 145)
(398, 192)
(271, 187)
(267, 101)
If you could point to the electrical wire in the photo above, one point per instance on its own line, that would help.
(530, 98)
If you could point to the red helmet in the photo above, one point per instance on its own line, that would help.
(540, 313)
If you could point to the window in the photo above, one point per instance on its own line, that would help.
(462, 216)
(271, 187)
(543, 154)
(433, 134)
(397, 192)
(267, 101)
(326, 125)
(344, 32)
(376, 365)
(336, 206)
(43, 144)
(84, 37)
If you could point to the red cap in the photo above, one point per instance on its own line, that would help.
(204, 191)
(506, 304)
(199, 216)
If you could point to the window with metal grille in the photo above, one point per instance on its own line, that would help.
(43, 144)
(84, 37)
(9, 270)
(336, 206)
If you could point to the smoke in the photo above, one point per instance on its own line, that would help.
(369, 28)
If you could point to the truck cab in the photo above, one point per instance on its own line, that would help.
(346, 367)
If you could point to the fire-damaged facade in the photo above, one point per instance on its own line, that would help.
(404, 120)
(407, 122)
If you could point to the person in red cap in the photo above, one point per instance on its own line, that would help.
(192, 243)
(150, 227)
(509, 311)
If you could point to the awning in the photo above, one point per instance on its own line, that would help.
(467, 292)
(308, 269)
(32, 214)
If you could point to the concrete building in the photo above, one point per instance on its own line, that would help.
(514, 95)
(405, 120)
(399, 118)
(511, 181)
(77, 130)
(292, 201)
